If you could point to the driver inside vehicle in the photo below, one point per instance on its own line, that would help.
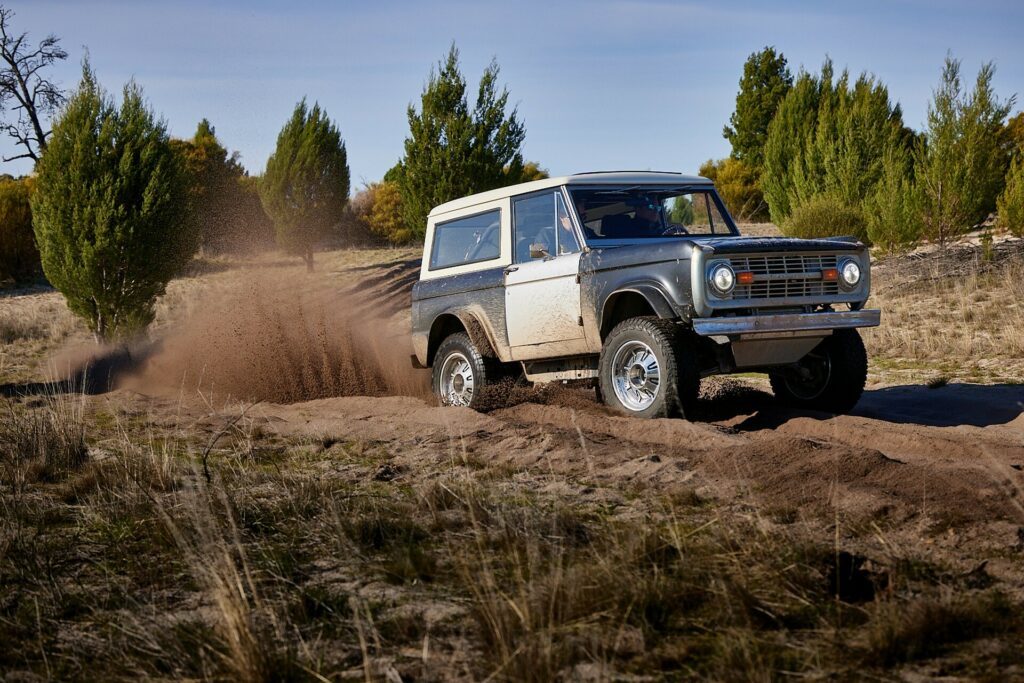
(647, 215)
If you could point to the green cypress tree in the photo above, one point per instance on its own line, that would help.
(830, 139)
(108, 209)
(893, 210)
(962, 166)
(766, 80)
(452, 152)
(1011, 201)
(306, 184)
(1014, 135)
(789, 132)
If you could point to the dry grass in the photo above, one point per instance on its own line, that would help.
(296, 559)
(138, 545)
(956, 312)
(46, 444)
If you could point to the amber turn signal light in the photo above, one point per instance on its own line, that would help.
(830, 275)
(747, 278)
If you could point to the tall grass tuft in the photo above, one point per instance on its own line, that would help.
(41, 444)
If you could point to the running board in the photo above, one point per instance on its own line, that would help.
(560, 369)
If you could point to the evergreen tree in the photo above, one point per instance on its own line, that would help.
(224, 205)
(1011, 201)
(765, 82)
(108, 207)
(214, 189)
(452, 151)
(829, 138)
(789, 131)
(1015, 135)
(306, 184)
(854, 128)
(893, 211)
(962, 166)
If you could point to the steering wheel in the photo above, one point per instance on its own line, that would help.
(675, 229)
(487, 237)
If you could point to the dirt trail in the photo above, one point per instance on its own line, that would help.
(954, 452)
(945, 462)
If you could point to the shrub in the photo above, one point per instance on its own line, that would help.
(108, 209)
(826, 216)
(386, 218)
(1011, 201)
(354, 228)
(738, 184)
(19, 258)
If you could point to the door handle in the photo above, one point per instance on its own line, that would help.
(511, 269)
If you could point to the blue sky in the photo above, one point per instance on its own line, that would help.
(604, 84)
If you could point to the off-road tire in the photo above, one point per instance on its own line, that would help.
(679, 381)
(485, 371)
(847, 374)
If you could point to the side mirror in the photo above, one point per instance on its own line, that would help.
(538, 251)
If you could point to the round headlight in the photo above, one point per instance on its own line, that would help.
(722, 279)
(849, 273)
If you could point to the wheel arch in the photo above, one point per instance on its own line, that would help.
(451, 323)
(632, 302)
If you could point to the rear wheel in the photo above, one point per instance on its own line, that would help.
(646, 370)
(460, 372)
(830, 378)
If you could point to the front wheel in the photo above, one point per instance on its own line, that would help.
(460, 372)
(646, 370)
(830, 378)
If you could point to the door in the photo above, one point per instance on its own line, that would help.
(542, 294)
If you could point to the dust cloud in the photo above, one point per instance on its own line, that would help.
(280, 338)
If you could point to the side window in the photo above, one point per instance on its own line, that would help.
(703, 222)
(467, 240)
(543, 220)
(718, 224)
(568, 243)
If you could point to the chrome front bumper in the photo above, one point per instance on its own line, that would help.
(786, 323)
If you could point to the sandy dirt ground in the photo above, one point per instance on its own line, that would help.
(945, 463)
(930, 465)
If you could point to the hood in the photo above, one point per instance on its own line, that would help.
(734, 245)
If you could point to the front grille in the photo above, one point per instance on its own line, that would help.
(785, 276)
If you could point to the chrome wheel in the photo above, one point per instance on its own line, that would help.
(636, 375)
(808, 381)
(455, 383)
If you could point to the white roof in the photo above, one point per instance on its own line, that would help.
(594, 178)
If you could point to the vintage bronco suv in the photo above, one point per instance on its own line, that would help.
(640, 281)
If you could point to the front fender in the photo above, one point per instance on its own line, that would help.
(651, 292)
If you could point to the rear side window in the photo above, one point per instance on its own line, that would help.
(467, 240)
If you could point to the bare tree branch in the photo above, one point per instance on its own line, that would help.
(24, 90)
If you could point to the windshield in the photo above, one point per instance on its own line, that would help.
(644, 212)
